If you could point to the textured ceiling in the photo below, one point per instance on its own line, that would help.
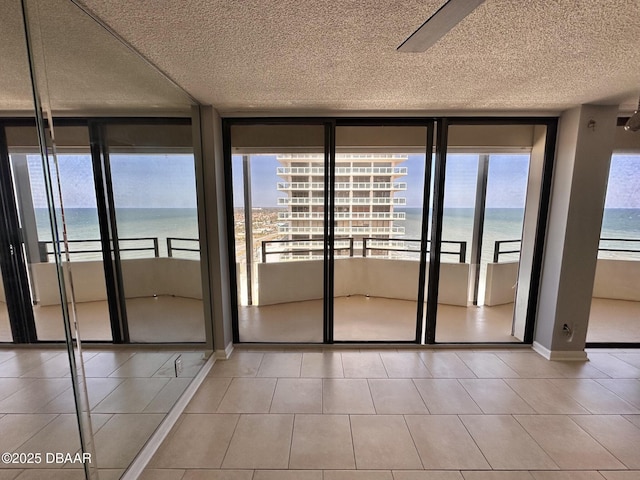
(80, 67)
(320, 55)
(315, 56)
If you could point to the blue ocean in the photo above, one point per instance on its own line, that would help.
(500, 224)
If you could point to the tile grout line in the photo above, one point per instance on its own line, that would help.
(536, 442)
(353, 444)
(226, 390)
(293, 428)
(373, 402)
(413, 440)
(474, 441)
(226, 450)
(596, 440)
(413, 382)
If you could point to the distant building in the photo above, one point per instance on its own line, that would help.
(366, 190)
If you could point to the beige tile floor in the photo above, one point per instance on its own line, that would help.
(414, 414)
(130, 391)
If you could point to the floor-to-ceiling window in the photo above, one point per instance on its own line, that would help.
(154, 217)
(341, 235)
(484, 204)
(278, 209)
(379, 213)
(615, 307)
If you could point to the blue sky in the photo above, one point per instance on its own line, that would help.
(168, 181)
(507, 181)
(139, 181)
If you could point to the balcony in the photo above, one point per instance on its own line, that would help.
(286, 229)
(343, 215)
(343, 186)
(375, 294)
(343, 201)
(283, 171)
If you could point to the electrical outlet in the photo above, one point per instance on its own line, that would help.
(178, 365)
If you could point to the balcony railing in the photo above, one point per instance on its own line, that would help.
(180, 247)
(378, 244)
(370, 245)
(297, 247)
(343, 156)
(342, 186)
(343, 215)
(342, 230)
(343, 201)
(497, 249)
(84, 249)
(343, 170)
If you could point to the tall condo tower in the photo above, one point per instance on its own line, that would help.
(366, 194)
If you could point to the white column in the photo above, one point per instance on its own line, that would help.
(583, 153)
(215, 211)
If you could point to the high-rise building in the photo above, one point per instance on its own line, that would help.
(366, 190)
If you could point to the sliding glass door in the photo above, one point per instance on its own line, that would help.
(485, 262)
(279, 207)
(386, 230)
(152, 213)
(16, 313)
(379, 217)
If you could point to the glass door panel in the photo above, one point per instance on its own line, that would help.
(378, 229)
(459, 213)
(501, 240)
(5, 325)
(278, 176)
(84, 258)
(484, 284)
(152, 173)
(615, 306)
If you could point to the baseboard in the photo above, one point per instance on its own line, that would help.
(566, 355)
(144, 457)
(226, 353)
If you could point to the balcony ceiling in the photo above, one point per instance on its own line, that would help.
(313, 57)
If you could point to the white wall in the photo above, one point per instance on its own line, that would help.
(142, 277)
(617, 279)
(500, 283)
(284, 282)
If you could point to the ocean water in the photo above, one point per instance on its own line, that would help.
(506, 224)
(500, 224)
(161, 223)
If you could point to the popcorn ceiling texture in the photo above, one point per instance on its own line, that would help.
(79, 65)
(320, 55)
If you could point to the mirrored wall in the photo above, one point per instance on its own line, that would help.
(101, 244)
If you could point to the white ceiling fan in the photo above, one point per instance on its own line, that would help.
(438, 24)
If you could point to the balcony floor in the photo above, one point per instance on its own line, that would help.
(163, 319)
(175, 319)
(359, 318)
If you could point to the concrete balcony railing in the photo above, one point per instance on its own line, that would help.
(343, 230)
(343, 186)
(343, 215)
(342, 171)
(343, 201)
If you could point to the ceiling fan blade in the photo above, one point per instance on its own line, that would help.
(438, 24)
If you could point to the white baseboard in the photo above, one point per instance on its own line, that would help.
(144, 457)
(226, 353)
(566, 355)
